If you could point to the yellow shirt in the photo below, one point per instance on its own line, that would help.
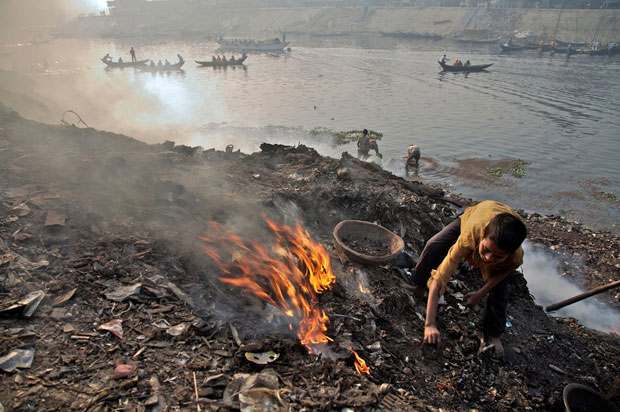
(473, 222)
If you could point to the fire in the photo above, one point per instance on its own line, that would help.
(288, 274)
(360, 364)
(363, 289)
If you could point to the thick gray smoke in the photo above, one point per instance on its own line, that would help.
(540, 268)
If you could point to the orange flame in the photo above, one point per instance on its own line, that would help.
(360, 364)
(289, 274)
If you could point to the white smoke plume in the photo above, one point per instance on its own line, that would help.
(547, 285)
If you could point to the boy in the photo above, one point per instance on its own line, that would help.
(488, 236)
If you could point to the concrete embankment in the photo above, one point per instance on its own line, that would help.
(570, 24)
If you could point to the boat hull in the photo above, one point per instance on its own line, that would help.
(169, 68)
(207, 63)
(469, 69)
(112, 64)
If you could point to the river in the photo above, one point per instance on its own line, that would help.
(562, 116)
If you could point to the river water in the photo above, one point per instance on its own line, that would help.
(560, 115)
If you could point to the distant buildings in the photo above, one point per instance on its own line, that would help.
(174, 6)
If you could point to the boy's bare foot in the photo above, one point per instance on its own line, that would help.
(499, 348)
(494, 345)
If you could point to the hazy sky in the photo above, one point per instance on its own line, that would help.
(20, 18)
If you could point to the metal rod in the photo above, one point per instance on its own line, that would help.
(582, 296)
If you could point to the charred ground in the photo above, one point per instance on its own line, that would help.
(132, 216)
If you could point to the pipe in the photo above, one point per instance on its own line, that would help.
(582, 296)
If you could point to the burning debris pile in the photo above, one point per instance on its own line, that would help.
(156, 277)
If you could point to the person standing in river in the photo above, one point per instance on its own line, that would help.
(413, 159)
(363, 145)
(132, 52)
(488, 236)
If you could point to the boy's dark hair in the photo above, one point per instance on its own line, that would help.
(507, 231)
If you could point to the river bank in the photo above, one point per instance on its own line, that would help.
(568, 25)
(108, 228)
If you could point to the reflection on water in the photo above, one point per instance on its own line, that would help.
(562, 116)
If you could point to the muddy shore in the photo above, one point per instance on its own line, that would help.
(107, 228)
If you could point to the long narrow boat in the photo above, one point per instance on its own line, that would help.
(607, 51)
(472, 68)
(163, 68)
(210, 63)
(561, 43)
(573, 50)
(114, 64)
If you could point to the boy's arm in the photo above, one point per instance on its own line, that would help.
(474, 298)
(431, 333)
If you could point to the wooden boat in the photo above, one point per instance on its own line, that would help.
(274, 45)
(536, 46)
(114, 64)
(573, 50)
(163, 68)
(564, 44)
(603, 52)
(471, 68)
(478, 41)
(210, 63)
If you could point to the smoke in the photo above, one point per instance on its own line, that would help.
(23, 20)
(547, 285)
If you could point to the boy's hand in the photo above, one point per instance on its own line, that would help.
(431, 335)
(473, 298)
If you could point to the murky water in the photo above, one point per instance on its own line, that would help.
(562, 116)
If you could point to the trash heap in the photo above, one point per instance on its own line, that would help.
(107, 301)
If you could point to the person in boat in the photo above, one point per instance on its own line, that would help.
(213, 59)
(180, 58)
(443, 59)
(413, 159)
(363, 145)
(232, 58)
(120, 59)
(219, 59)
(107, 57)
(167, 64)
(132, 52)
(224, 60)
(488, 236)
(159, 63)
(467, 64)
(152, 64)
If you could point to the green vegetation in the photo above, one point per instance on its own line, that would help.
(610, 196)
(516, 170)
(496, 171)
(342, 138)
